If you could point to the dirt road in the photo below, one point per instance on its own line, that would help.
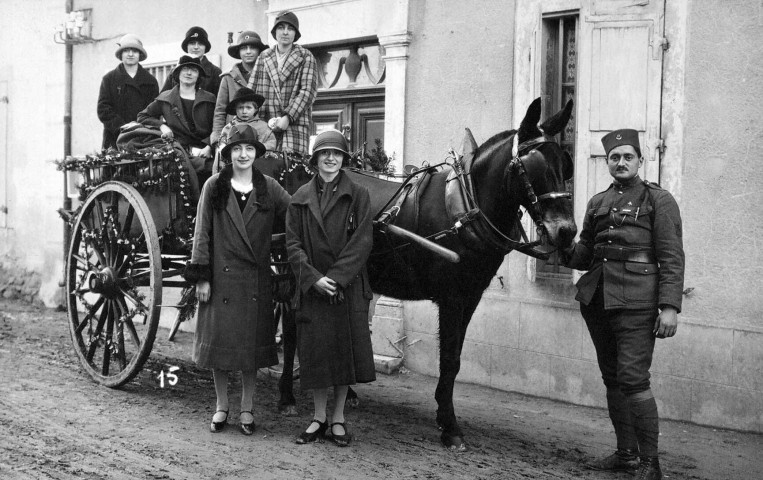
(56, 423)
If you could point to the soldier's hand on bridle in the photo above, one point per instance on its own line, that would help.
(667, 323)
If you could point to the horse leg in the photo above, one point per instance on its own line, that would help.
(455, 314)
(287, 403)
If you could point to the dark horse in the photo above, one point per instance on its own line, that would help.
(512, 169)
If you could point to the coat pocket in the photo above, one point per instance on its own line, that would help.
(641, 282)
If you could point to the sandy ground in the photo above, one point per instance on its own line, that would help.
(55, 422)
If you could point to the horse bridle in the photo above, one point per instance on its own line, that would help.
(516, 165)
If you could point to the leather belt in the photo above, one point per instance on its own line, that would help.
(620, 254)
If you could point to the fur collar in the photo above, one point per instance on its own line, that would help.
(221, 189)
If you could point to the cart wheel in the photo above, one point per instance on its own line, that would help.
(114, 283)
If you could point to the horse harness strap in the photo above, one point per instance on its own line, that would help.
(475, 226)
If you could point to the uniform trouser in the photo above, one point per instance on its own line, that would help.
(624, 342)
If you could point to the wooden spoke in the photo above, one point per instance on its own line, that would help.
(90, 314)
(130, 326)
(82, 260)
(128, 221)
(109, 334)
(94, 336)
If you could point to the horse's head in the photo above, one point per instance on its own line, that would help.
(538, 173)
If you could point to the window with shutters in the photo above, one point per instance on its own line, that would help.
(558, 85)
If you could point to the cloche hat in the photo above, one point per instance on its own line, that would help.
(246, 38)
(330, 139)
(188, 61)
(131, 41)
(289, 18)
(196, 34)
(242, 133)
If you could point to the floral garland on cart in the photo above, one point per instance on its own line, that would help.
(174, 179)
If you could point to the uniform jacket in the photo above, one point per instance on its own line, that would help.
(231, 248)
(169, 106)
(639, 217)
(290, 91)
(121, 98)
(210, 83)
(333, 340)
(230, 83)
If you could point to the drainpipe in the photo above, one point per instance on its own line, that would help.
(67, 129)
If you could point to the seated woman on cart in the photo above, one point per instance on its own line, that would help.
(185, 115)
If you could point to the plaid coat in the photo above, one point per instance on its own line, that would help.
(290, 91)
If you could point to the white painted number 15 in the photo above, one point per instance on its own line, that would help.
(172, 379)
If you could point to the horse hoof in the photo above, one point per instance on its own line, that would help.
(288, 410)
(454, 444)
(352, 402)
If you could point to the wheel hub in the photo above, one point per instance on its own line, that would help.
(104, 282)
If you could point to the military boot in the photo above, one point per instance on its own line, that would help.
(621, 460)
(649, 469)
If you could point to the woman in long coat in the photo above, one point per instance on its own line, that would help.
(230, 265)
(126, 90)
(329, 238)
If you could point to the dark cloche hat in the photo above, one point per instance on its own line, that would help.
(291, 19)
(244, 94)
(330, 139)
(242, 133)
(246, 38)
(188, 61)
(198, 34)
(625, 136)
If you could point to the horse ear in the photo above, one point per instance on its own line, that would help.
(556, 124)
(529, 126)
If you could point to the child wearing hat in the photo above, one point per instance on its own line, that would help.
(244, 106)
(230, 266)
(196, 44)
(286, 76)
(126, 90)
(247, 48)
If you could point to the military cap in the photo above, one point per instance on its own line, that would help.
(625, 136)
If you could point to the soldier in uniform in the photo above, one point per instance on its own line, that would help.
(632, 249)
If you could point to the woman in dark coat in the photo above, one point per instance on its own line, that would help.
(230, 265)
(329, 238)
(185, 113)
(126, 90)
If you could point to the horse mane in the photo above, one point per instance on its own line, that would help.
(495, 139)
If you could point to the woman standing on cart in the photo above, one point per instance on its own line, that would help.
(329, 238)
(230, 266)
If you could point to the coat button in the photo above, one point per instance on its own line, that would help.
(226, 268)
